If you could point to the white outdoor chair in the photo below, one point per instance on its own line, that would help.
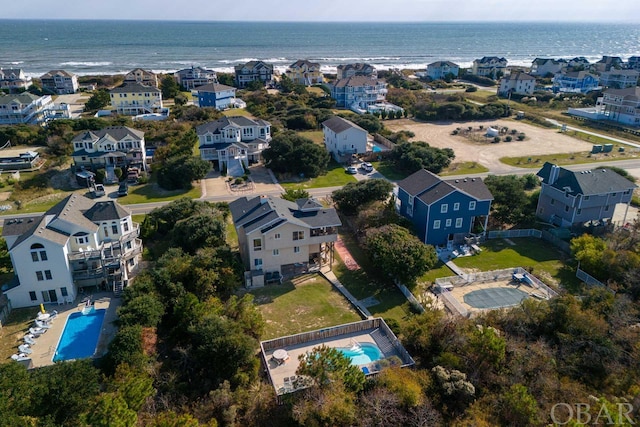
(24, 348)
(29, 339)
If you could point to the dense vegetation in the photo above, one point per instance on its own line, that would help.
(290, 153)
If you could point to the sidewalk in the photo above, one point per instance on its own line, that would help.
(599, 135)
(328, 274)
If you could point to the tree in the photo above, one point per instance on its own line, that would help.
(111, 410)
(180, 99)
(509, 198)
(325, 365)
(179, 172)
(356, 195)
(398, 252)
(197, 231)
(16, 389)
(98, 100)
(289, 152)
(135, 386)
(169, 87)
(145, 310)
(589, 251)
(411, 157)
(293, 194)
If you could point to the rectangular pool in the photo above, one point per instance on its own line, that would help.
(80, 336)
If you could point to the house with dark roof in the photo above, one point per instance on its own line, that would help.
(489, 66)
(143, 77)
(571, 198)
(279, 238)
(14, 78)
(233, 142)
(191, 78)
(76, 244)
(253, 71)
(358, 69)
(607, 63)
(60, 82)
(215, 95)
(358, 92)
(517, 83)
(619, 79)
(544, 66)
(30, 109)
(443, 212)
(440, 69)
(108, 148)
(343, 138)
(305, 72)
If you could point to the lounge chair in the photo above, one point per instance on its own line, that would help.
(37, 331)
(29, 339)
(42, 325)
(24, 348)
(19, 357)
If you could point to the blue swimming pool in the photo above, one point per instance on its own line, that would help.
(362, 353)
(376, 149)
(80, 336)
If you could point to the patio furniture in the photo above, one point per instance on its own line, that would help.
(37, 331)
(42, 325)
(19, 357)
(29, 339)
(43, 317)
(281, 356)
(24, 348)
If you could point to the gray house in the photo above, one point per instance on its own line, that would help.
(571, 198)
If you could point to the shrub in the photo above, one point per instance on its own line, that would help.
(508, 138)
(471, 89)
(496, 139)
(521, 137)
(118, 172)
(101, 174)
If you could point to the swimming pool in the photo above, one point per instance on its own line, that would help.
(362, 353)
(80, 336)
(376, 149)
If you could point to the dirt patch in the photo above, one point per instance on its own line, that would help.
(5, 195)
(538, 141)
(345, 256)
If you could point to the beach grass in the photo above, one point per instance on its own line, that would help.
(536, 161)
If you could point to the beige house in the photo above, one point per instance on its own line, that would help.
(142, 77)
(279, 238)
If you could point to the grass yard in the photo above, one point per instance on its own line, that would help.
(438, 271)
(464, 168)
(388, 171)
(536, 161)
(368, 281)
(317, 136)
(336, 176)
(237, 112)
(548, 262)
(232, 234)
(14, 329)
(291, 309)
(152, 192)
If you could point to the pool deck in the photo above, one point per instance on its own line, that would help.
(287, 370)
(46, 344)
(459, 292)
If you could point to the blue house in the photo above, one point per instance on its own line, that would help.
(216, 95)
(443, 212)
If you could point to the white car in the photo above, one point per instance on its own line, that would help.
(352, 170)
(367, 167)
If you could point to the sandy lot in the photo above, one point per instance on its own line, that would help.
(538, 141)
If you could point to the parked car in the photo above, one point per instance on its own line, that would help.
(123, 189)
(367, 167)
(352, 170)
(98, 190)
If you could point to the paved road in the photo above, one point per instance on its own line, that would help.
(610, 138)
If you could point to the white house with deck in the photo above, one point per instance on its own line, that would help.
(343, 138)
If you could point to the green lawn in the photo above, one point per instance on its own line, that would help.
(536, 161)
(309, 305)
(336, 176)
(547, 261)
(317, 136)
(237, 112)
(388, 171)
(152, 192)
(369, 281)
(464, 168)
(232, 234)
(439, 270)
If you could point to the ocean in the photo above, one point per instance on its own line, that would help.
(110, 47)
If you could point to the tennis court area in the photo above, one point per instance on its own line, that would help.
(494, 297)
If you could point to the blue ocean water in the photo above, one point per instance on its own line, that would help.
(92, 47)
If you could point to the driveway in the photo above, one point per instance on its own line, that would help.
(263, 183)
(75, 100)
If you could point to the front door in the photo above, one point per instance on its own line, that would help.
(53, 296)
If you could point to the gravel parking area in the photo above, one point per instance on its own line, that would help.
(538, 141)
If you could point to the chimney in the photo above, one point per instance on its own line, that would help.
(263, 199)
(553, 175)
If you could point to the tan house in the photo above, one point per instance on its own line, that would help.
(305, 72)
(142, 77)
(279, 238)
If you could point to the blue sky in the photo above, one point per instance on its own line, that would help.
(332, 10)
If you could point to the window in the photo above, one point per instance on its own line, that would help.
(298, 235)
(566, 208)
(276, 252)
(436, 224)
(125, 226)
(34, 257)
(257, 244)
(106, 232)
(586, 197)
(32, 296)
(553, 201)
(472, 205)
(456, 206)
(128, 245)
(38, 253)
(47, 274)
(579, 211)
(63, 291)
(296, 249)
(458, 222)
(39, 276)
(444, 208)
(606, 208)
(276, 236)
(45, 296)
(114, 229)
(447, 223)
(257, 263)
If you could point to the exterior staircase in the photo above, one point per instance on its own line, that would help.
(235, 168)
(111, 174)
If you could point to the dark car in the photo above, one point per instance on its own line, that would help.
(123, 189)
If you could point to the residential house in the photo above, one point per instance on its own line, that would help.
(634, 63)
(27, 108)
(233, 142)
(143, 77)
(440, 69)
(621, 105)
(134, 98)
(108, 148)
(489, 66)
(544, 66)
(283, 237)
(215, 95)
(343, 138)
(358, 69)
(569, 198)
(575, 82)
(579, 63)
(619, 79)
(517, 83)
(26, 160)
(76, 244)
(358, 92)
(305, 72)
(253, 71)
(607, 63)
(443, 212)
(14, 79)
(191, 78)
(60, 82)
